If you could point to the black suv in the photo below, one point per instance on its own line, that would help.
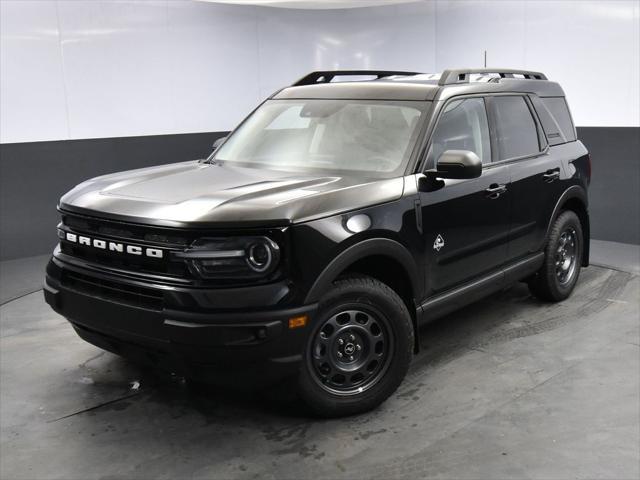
(331, 223)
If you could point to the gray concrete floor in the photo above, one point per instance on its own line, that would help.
(21, 276)
(619, 256)
(506, 388)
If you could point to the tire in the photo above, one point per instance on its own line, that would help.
(359, 350)
(559, 273)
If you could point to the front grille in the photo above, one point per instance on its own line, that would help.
(113, 291)
(167, 269)
(126, 231)
(146, 236)
(125, 262)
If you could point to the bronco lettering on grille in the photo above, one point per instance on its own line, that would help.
(114, 246)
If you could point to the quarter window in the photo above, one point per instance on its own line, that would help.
(558, 108)
(462, 126)
(516, 128)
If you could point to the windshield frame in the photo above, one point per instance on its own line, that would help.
(406, 164)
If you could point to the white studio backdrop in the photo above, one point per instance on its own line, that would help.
(73, 69)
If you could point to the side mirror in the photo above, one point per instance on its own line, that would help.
(454, 164)
(458, 164)
(218, 142)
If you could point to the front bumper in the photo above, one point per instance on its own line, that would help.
(187, 330)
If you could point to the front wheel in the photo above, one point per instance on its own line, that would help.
(559, 273)
(360, 348)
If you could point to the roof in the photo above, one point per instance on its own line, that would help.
(392, 85)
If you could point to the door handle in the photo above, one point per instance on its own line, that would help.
(495, 190)
(551, 175)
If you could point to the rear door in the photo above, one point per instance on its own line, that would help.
(535, 172)
(466, 222)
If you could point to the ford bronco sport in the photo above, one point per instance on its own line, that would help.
(327, 227)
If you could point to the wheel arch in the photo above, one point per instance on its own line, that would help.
(383, 259)
(574, 199)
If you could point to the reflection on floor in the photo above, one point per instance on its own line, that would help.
(506, 388)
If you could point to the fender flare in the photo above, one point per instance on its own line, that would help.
(577, 192)
(373, 246)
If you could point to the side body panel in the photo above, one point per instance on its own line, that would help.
(466, 229)
(323, 248)
(537, 186)
(472, 223)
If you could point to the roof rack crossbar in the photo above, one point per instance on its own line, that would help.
(451, 77)
(328, 75)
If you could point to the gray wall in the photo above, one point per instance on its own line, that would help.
(614, 194)
(33, 176)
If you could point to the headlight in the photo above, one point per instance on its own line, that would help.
(241, 257)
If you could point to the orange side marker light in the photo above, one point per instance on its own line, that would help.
(298, 322)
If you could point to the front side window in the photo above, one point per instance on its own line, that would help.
(366, 137)
(515, 127)
(462, 126)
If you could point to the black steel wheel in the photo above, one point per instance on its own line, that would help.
(565, 257)
(359, 349)
(350, 351)
(559, 273)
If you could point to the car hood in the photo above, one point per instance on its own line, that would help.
(196, 192)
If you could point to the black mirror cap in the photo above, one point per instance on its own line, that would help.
(458, 164)
(218, 142)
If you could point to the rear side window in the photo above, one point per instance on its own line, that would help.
(516, 129)
(463, 125)
(558, 108)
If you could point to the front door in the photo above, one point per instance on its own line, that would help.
(466, 222)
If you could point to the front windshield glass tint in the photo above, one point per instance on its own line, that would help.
(371, 136)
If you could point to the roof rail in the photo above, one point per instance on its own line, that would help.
(451, 77)
(328, 75)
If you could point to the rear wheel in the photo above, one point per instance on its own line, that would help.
(559, 273)
(359, 350)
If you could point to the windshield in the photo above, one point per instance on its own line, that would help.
(372, 136)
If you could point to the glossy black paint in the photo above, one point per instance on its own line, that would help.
(473, 224)
(491, 231)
